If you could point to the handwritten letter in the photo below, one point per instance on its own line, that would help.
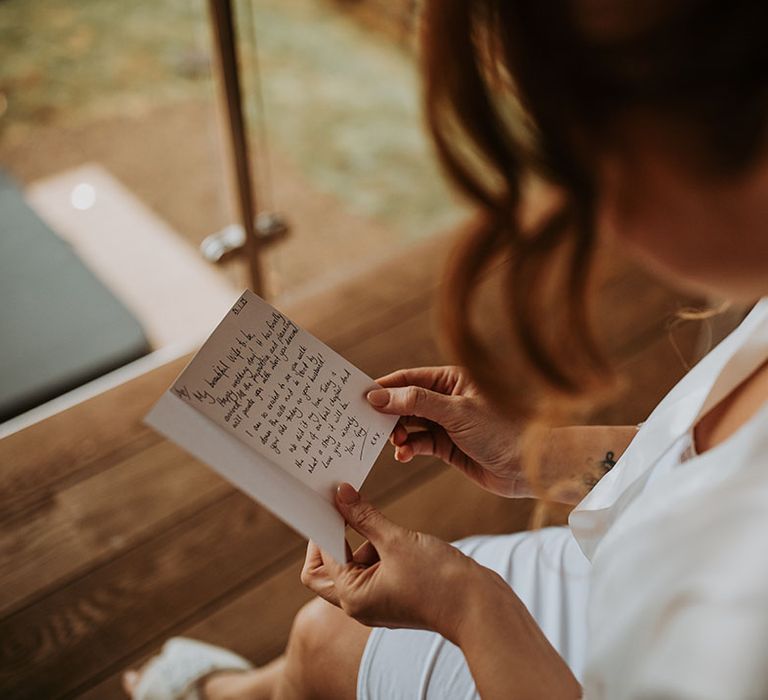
(286, 396)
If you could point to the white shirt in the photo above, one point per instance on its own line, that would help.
(679, 593)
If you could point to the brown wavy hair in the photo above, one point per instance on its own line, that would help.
(519, 91)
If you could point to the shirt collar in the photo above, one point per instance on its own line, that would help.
(732, 361)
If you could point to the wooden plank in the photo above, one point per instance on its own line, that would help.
(409, 342)
(82, 627)
(368, 302)
(99, 431)
(70, 635)
(83, 525)
(257, 622)
(80, 526)
(71, 546)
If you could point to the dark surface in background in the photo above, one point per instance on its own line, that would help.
(59, 326)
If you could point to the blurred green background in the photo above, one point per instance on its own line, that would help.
(341, 99)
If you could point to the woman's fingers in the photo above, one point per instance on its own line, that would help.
(440, 379)
(364, 518)
(399, 435)
(315, 574)
(312, 559)
(401, 430)
(366, 554)
(419, 402)
(429, 443)
(423, 443)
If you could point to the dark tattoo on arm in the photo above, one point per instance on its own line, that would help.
(606, 464)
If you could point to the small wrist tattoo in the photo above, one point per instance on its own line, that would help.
(608, 462)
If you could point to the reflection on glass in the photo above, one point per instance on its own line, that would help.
(83, 196)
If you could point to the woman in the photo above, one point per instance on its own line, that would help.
(647, 121)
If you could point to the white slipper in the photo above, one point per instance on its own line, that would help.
(182, 664)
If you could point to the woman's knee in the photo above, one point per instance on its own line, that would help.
(316, 628)
(324, 649)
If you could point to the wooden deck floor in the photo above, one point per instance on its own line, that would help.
(113, 539)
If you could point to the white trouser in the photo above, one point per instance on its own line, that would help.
(549, 573)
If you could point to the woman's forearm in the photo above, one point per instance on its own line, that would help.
(570, 460)
(506, 651)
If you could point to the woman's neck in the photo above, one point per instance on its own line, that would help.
(726, 417)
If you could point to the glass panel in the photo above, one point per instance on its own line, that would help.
(338, 136)
(124, 84)
(109, 142)
(110, 128)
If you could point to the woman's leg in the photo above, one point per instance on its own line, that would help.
(321, 660)
(550, 575)
(323, 654)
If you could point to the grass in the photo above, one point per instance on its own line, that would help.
(340, 101)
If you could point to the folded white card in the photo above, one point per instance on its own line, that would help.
(279, 414)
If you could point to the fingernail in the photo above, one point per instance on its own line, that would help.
(131, 677)
(347, 494)
(378, 397)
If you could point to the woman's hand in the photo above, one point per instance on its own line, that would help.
(401, 578)
(398, 578)
(443, 414)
